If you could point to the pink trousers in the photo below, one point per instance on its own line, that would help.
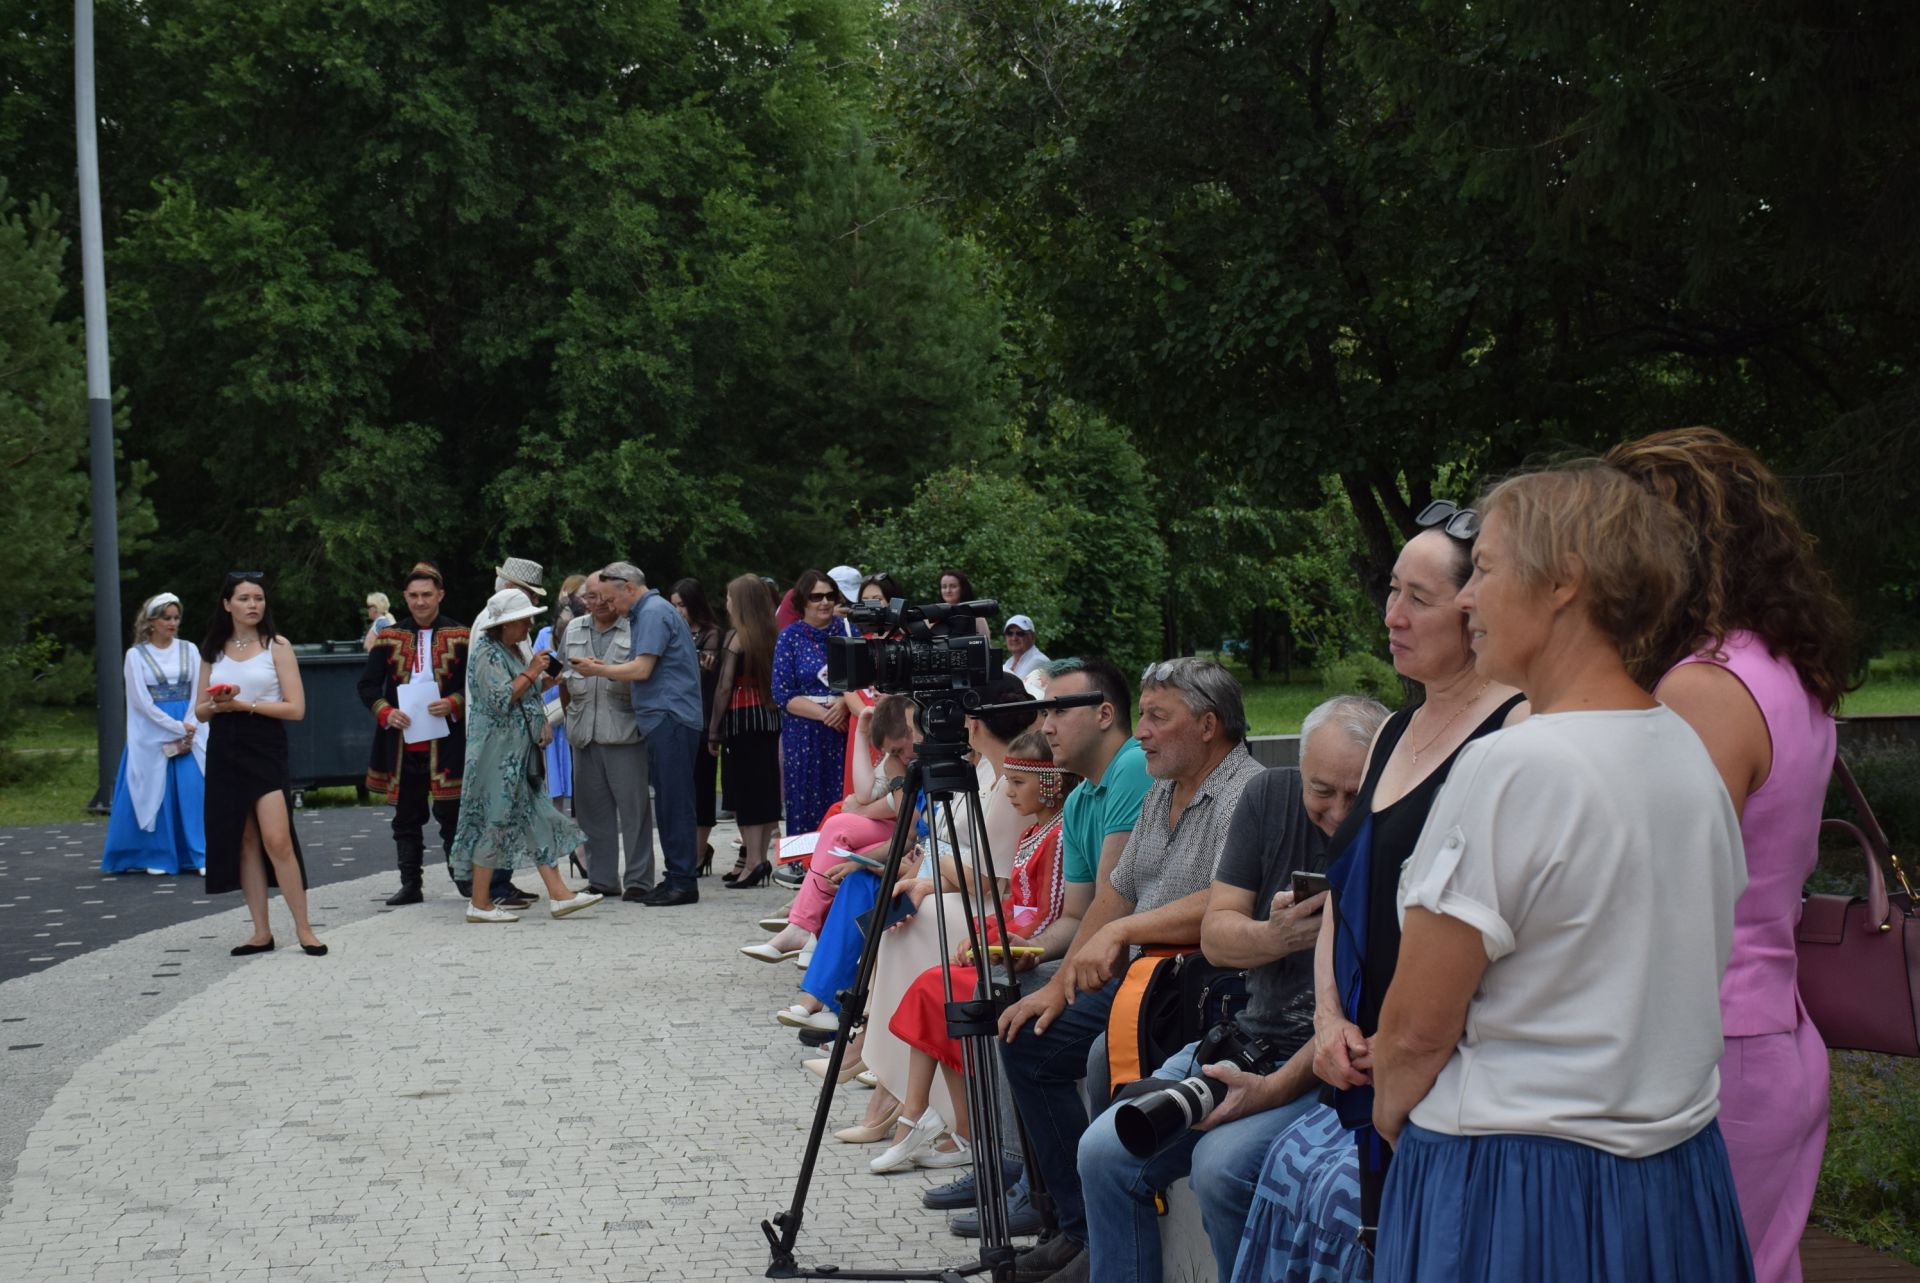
(816, 894)
(1773, 1113)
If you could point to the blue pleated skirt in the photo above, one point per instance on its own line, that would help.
(178, 841)
(1503, 1208)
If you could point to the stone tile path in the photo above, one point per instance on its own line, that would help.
(599, 1098)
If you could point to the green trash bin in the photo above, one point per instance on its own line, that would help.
(329, 747)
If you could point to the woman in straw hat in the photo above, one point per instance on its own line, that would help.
(505, 818)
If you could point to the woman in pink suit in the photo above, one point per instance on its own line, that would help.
(1756, 662)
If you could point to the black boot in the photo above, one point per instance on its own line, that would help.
(409, 892)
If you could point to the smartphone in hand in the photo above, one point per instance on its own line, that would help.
(1307, 885)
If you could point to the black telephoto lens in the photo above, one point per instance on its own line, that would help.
(1149, 1123)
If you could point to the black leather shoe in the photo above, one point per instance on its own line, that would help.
(1041, 1262)
(612, 893)
(815, 1037)
(636, 895)
(409, 894)
(664, 895)
(520, 900)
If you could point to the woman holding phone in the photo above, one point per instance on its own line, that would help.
(249, 686)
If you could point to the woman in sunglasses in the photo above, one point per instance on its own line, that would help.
(250, 685)
(1324, 1174)
(813, 722)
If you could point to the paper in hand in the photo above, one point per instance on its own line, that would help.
(421, 725)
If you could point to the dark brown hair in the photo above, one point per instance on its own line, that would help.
(805, 584)
(1752, 566)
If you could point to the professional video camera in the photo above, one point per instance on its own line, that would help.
(917, 663)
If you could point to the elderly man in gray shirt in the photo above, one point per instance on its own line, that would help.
(609, 755)
(1193, 730)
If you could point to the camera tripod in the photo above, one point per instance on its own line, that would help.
(943, 772)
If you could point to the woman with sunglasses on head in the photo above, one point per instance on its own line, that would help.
(1308, 1203)
(814, 717)
(1546, 1072)
(1755, 659)
(249, 685)
(157, 825)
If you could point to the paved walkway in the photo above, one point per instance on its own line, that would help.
(599, 1098)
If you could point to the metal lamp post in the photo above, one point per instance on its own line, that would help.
(112, 729)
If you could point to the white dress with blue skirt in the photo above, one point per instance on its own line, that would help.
(158, 820)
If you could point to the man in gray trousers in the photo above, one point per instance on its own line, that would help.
(609, 755)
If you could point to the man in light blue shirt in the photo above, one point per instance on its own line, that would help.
(665, 674)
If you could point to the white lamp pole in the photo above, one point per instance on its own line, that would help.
(112, 730)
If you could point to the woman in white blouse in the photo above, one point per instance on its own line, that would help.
(1547, 1075)
(156, 825)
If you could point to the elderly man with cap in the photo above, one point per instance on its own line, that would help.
(1023, 655)
(418, 776)
(665, 674)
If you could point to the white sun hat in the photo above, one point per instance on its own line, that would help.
(504, 607)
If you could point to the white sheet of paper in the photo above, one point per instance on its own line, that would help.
(796, 848)
(421, 725)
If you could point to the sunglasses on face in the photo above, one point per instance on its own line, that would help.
(1460, 523)
(823, 596)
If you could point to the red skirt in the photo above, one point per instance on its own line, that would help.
(920, 1021)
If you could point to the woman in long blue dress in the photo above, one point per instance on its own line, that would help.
(506, 821)
(158, 824)
(813, 720)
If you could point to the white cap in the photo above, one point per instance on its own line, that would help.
(1023, 622)
(847, 580)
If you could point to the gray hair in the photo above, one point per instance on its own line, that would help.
(1205, 687)
(624, 572)
(1361, 718)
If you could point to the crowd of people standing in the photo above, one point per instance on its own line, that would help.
(1541, 1023)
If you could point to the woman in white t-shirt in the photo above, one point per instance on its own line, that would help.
(1547, 1075)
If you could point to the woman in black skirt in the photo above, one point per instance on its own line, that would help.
(249, 685)
(745, 725)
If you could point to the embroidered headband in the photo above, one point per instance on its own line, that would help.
(1032, 765)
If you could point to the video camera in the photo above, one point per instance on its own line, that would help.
(917, 663)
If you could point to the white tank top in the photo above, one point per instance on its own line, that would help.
(258, 680)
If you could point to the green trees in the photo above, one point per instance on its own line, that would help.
(44, 523)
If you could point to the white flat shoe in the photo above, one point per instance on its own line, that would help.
(490, 915)
(900, 1156)
(767, 953)
(798, 1017)
(775, 925)
(818, 1068)
(584, 900)
(959, 1156)
(866, 1079)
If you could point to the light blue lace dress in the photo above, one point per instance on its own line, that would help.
(506, 820)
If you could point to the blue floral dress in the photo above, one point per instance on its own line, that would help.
(812, 754)
(506, 821)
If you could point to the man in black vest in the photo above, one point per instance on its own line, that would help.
(425, 647)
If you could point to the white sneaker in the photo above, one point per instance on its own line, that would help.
(901, 1155)
(490, 915)
(583, 900)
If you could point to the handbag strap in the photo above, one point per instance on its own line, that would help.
(1866, 831)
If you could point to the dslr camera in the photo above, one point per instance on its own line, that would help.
(1155, 1118)
(903, 657)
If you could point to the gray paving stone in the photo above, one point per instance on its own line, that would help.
(604, 1097)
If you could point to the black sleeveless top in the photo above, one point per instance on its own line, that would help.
(1395, 830)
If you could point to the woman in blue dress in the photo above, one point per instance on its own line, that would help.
(813, 721)
(157, 824)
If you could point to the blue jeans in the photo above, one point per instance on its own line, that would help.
(1043, 1073)
(670, 750)
(1224, 1164)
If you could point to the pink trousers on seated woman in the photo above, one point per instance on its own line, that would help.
(851, 832)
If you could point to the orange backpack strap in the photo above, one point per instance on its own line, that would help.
(1126, 1033)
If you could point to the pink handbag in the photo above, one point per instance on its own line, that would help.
(1860, 957)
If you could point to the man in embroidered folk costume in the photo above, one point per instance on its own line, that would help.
(429, 647)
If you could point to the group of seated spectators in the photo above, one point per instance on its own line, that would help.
(1542, 1021)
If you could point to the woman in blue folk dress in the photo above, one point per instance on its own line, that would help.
(813, 721)
(157, 824)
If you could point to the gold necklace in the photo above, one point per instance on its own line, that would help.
(1471, 700)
